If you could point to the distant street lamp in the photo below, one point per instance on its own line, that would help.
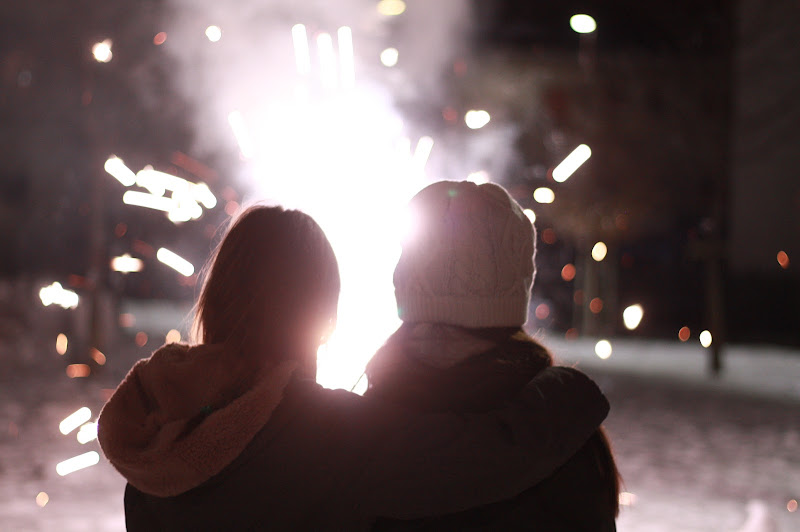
(582, 23)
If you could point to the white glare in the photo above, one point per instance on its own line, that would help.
(77, 463)
(236, 120)
(599, 251)
(327, 60)
(389, 57)
(121, 173)
(55, 294)
(582, 24)
(422, 152)
(301, 54)
(175, 261)
(571, 162)
(705, 339)
(213, 33)
(102, 51)
(391, 8)
(544, 195)
(479, 178)
(632, 316)
(530, 214)
(87, 433)
(75, 420)
(126, 264)
(203, 194)
(476, 119)
(346, 67)
(603, 349)
(149, 201)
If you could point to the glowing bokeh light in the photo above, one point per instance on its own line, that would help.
(213, 33)
(346, 63)
(55, 294)
(173, 336)
(389, 57)
(327, 60)
(149, 201)
(568, 272)
(783, 259)
(87, 433)
(582, 23)
(98, 356)
(603, 349)
(160, 38)
(78, 371)
(102, 51)
(791, 506)
(544, 195)
(42, 499)
(126, 264)
(302, 56)
(627, 498)
(391, 8)
(684, 333)
(61, 343)
(175, 261)
(116, 167)
(140, 339)
(240, 131)
(542, 311)
(705, 338)
(77, 463)
(476, 119)
(571, 162)
(549, 236)
(530, 214)
(596, 305)
(632, 316)
(75, 420)
(599, 251)
(480, 177)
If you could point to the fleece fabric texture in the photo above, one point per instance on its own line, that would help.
(326, 459)
(471, 261)
(578, 497)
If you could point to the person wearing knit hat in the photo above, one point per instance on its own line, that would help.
(462, 285)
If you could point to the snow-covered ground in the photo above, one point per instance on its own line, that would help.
(696, 454)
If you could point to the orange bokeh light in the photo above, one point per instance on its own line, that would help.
(549, 236)
(596, 305)
(571, 334)
(78, 370)
(141, 338)
(783, 259)
(684, 333)
(160, 38)
(542, 311)
(568, 272)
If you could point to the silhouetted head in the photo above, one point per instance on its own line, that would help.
(272, 286)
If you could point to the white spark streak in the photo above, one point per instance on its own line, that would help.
(77, 463)
(301, 53)
(571, 162)
(75, 420)
(150, 201)
(116, 167)
(175, 261)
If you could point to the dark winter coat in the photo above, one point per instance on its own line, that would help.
(579, 496)
(189, 430)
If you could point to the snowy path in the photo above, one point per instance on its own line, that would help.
(693, 453)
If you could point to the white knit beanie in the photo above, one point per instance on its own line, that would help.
(471, 259)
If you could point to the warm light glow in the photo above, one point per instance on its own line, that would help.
(140, 339)
(75, 420)
(542, 311)
(568, 272)
(55, 294)
(149, 201)
(582, 24)
(173, 336)
(596, 305)
(346, 66)
(61, 343)
(783, 259)
(544, 195)
(119, 171)
(389, 57)
(77, 371)
(160, 38)
(479, 178)
(87, 433)
(391, 8)
(792, 505)
(603, 349)
(530, 214)
(175, 261)
(77, 463)
(572, 162)
(214, 33)
(599, 251)
(684, 333)
(98, 356)
(126, 264)
(705, 338)
(632, 316)
(327, 60)
(102, 51)
(302, 56)
(627, 499)
(42, 499)
(476, 119)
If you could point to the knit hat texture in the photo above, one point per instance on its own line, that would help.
(470, 260)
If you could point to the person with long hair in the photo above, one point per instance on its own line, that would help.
(233, 433)
(462, 286)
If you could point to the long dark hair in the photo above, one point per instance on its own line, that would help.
(272, 285)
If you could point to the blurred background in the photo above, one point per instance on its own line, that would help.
(654, 145)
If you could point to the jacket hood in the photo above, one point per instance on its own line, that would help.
(182, 415)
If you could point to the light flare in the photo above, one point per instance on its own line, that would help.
(571, 162)
(530, 214)
(599, 251)
(55, 294)
(582, 23)
(116, 168)
(61, 343)
(389, 57)
(327, 60)
(346, 62)
(632, 316)
(42, 499)
(76, 463)
(480, 177)
(126, 264)
(149, 201)
(391, 8)
(544, 195)
(236, 120)
(705, 339)
(302, 55)
(75, 420)
(476, 119)
(175, 261)
(603, 349)
(87, 433)
(213, 33)
(102, 51)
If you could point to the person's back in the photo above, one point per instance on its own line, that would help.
(580, 496)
